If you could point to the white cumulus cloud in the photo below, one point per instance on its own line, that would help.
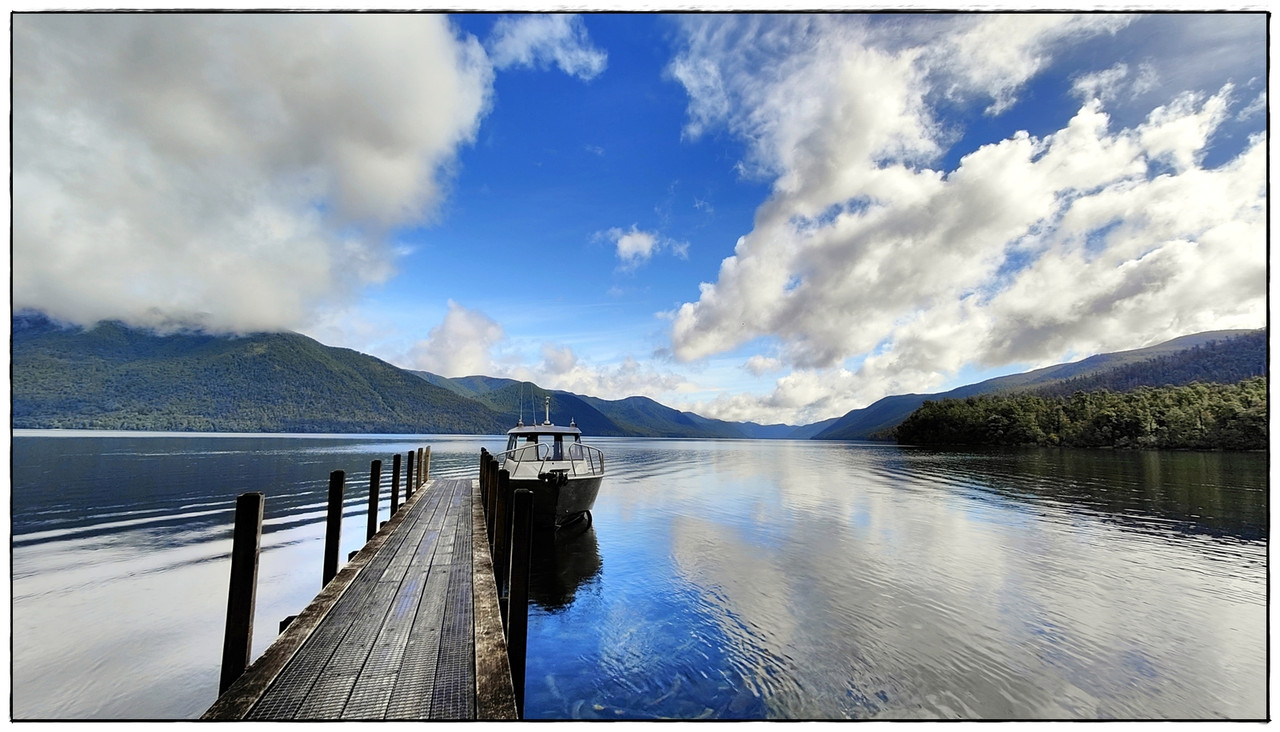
(562, 369)
(234, 171)
(461, 345)
(878, 273)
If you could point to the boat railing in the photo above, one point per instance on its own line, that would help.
(529, 460)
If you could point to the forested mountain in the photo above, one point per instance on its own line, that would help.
(114, 377)
(1195, 416)
(1218, 357)
(1226, 361)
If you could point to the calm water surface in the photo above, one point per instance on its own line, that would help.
(721, 579)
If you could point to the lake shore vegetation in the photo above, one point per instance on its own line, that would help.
(1196, 416)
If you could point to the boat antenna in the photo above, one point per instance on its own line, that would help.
(520, 422)
(548, 410)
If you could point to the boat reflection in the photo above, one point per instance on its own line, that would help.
(561, 562)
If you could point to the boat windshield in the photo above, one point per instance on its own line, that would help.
(556, 442)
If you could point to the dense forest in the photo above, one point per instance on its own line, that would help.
(1195, 416)
(1220, 357)
(1225, 361)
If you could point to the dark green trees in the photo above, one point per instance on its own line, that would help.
(1196, 416)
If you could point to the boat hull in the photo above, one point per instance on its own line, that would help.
(556, 505)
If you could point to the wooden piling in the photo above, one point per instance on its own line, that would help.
(333, 524)
(518, 597)
(421, 478)
(490, 477)
(246, 542)
(395, 483)
(408, 476)
(426, 465)
(502, 536)
(375, 477)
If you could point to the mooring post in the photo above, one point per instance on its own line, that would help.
(484, 494)
(518, 597)
(426, 465)
(488, 487)
(333, 524)
(237, 641)
(408, 476)
(502, 536)
(375, 477)
(490, 480)
(418, 484)
(493, 487)
(395, 483)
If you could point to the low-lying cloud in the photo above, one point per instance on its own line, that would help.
(469, 342)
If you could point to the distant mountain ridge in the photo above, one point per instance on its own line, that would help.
(114, 377)
(634, 416)
(111, 376)
(1247, 350)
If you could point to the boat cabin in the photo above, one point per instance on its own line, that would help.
(546, 434)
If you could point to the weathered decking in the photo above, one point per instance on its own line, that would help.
(409, 629)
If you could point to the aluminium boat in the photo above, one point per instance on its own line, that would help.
(551, 461)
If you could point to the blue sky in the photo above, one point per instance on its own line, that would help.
(777, 218)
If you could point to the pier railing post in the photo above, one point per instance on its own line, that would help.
(395, 483)
(518, 598)
(502, 533)
(408, 476)
(491, 480)
(375, 477)
(333, 524)
(237, 641)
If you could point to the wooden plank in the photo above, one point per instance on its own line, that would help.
(410, 620)
(338, 642)
(337, 679)
(246, 691)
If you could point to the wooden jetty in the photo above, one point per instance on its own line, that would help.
(411, 628)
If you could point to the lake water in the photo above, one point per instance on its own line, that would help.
(720, 579)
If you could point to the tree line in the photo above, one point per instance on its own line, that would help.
(1196, 416)
(1225, 361)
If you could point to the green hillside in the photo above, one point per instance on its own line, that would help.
(1214, 357)
(1196, 416)
(114, 377)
